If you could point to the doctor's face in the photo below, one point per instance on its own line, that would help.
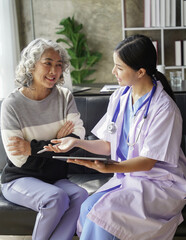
(125, 75)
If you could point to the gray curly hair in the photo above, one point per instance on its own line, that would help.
(31, 54)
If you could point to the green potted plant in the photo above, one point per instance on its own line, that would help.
(81, 58)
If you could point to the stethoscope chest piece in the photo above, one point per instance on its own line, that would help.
(111, 128)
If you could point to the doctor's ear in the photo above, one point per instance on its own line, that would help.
(141, 72)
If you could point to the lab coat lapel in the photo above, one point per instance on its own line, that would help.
(119, 122)
(136, 127)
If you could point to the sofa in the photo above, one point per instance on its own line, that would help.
(18, 220)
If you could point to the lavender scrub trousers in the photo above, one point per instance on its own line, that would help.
(57, 204)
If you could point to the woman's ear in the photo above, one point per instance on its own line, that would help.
(141, 72)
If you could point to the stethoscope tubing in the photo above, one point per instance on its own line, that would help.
(116, 112)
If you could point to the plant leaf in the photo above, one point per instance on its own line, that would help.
(94, 58)
(71, 52)
(78, 40)
(80, 75)
(80, 56)
(63, 40)
(77, 62)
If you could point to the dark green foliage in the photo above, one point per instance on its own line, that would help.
(81, 58)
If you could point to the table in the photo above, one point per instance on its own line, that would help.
(95, 89)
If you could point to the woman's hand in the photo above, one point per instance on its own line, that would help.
(96, 165)
(67, 143)
(62, 145)
(131, 165)
(19, 146)
(65, 130)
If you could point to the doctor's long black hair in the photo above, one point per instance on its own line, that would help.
(137, 52)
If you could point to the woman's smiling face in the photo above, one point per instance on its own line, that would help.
(48, 69)
(125, 75)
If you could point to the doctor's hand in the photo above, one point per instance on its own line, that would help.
(19, 146)
(96, 165)
(65, 130)
(62, 145)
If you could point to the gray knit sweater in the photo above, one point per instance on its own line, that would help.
(37, 122)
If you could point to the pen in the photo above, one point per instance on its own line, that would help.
(41, 151)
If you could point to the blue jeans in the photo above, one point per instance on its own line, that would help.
(58, 205)
(92, 231)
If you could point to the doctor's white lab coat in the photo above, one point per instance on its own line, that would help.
(148, 204)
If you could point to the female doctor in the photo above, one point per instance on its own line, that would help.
(142, 131)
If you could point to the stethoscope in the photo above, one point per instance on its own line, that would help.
(111, 128)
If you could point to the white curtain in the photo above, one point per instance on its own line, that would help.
(9, 46)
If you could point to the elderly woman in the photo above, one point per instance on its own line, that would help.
(33, 114)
